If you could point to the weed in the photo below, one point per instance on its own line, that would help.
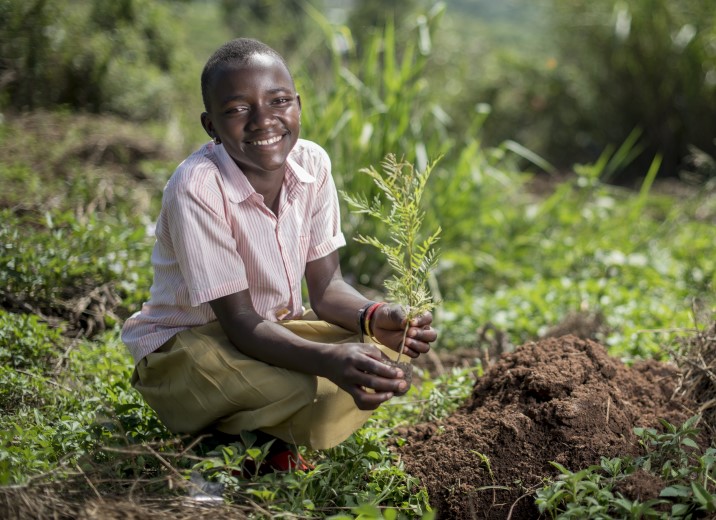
(672, 455)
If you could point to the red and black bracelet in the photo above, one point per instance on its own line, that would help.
(368, 315)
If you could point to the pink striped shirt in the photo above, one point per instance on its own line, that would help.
(216, 237)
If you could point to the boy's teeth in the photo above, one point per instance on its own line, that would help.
(267, 141)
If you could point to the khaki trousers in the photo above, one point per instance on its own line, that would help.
(199, 380)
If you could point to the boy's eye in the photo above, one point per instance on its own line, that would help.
(236, 110)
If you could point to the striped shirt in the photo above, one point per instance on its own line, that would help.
(215, 237)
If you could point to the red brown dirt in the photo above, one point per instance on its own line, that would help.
(560, 399)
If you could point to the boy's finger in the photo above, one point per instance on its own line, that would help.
(425, 334)
(421, 321)
(376, 375)
(369, 400)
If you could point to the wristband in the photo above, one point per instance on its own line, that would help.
(361, 319)
(368, 315)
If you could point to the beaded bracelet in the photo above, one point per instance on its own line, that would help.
(361, 319)
(368, 315)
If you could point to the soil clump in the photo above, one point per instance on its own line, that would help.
(559, 399)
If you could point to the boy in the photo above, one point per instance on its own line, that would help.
(223, 343)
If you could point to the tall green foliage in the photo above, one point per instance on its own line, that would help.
(649, 64)
(369, 16)
(264, 20)
(375, 103)
(94, 55)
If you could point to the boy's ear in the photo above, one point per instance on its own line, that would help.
(207, 124)
(298, 98)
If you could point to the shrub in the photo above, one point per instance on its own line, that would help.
(25, 342)
(649, 64)
(66, 267)
(94, 55)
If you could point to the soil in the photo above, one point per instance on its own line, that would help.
(559, 399)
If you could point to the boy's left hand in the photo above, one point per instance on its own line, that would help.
(388, 324)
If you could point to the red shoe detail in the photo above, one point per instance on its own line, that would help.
(287, 460)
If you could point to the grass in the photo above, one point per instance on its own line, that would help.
(76, 240)
(521, 264)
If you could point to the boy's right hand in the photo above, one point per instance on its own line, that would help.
(358, 368)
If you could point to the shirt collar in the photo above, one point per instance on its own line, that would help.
(300, 172)
(238, 188)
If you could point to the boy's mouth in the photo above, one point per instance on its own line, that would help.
(266, 142)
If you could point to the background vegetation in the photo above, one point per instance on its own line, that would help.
(563, 127)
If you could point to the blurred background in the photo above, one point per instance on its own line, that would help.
(563, 78)
(559, 125)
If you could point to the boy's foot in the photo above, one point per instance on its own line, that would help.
(287, 460)
(278, 462)
(281, 456)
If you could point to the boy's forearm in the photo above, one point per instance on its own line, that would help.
(340, 304)
(278, 346)
(332, 299)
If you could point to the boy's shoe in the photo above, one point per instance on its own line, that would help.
(281, 456)
(287, 460)
(281, 461)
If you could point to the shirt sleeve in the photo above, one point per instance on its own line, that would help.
(203, 243)
(326, 235)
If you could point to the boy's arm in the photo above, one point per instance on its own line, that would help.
(332, 299)
(335, 301)
(353, 367)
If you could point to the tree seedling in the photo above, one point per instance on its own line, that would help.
(410, 257)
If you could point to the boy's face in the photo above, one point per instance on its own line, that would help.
(255, 111)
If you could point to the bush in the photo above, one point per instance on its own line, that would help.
(569, 78)
(25, 342)
(649, 64)
(94, 55)
(57, 269)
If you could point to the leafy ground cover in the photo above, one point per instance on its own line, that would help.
(524, 256)
(76, 440)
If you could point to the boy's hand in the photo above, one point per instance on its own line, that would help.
(358, 368)
(388, 325)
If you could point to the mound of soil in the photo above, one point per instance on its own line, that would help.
(560, 399)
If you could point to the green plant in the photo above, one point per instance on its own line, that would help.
(26, 342)
(672, 454)
(622, 51)
(667, 449)
(96, 55)
(368, 104)
(65, 266)
(360, 474)
(411, 258)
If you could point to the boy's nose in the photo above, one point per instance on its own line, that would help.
(261, 117)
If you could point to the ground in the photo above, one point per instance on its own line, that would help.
(559, 399)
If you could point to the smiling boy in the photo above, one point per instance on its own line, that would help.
(224, 343)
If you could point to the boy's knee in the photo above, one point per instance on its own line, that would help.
(290, 386)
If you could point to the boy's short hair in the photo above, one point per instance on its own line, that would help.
(234, 52)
